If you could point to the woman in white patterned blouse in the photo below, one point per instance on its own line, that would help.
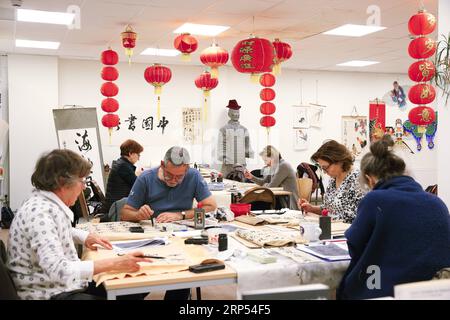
(42, 258)
(344, 192)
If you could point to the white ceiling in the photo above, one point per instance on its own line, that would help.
(298, 22)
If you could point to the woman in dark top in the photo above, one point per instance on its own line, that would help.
(401, 233)
(123, 172)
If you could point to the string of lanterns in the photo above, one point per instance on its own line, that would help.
(109, 89)
(422, 71)
(267, 108)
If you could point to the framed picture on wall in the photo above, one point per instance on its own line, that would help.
(300, 117)
(301, 140)
(192, 125)
(355, 134)
(315, 116)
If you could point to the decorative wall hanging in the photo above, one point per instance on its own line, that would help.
(300, 117)
(214, 57)
(109, 89)
(354, 134)
(158, 75)
(418, 132)
(186, 44)
(377, 120)
(129, 41)
(192, 126)
(283, 52)
(422, 116)
(253, 55)
(301, 141)
(206, 83)
(267, 108)
(315, 116)
(397, 97)
(398, 134)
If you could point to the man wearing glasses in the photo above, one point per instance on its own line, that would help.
(167, 192)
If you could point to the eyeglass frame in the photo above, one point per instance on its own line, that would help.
(177, 178)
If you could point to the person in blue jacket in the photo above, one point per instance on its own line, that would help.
(401, 233)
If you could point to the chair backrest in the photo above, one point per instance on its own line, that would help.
(98, 193)
(257, 173)
(310, 171)
(303, 292)
(116, 207)
(304, 186)
(7, 288)
(259, 194)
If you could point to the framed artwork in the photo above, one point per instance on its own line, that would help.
(315, 116)
(301, 140)
(192, 125)
(300, 117)
(355, 134)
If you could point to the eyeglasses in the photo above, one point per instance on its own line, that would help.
(325, 168)
(169, 177)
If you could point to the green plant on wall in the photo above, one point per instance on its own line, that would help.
(442, 63)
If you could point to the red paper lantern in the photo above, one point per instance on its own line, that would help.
(283, 52)
(109, 73)
(109, 57)
(267, 121)
(422, 94)
(214, 57)
(422, 71)
(253, 55)
(157, 75)
(109, 89)
(110, 120)
(186, 44)
(422, 48)
(110, 105)
(206, 83)
(267, 94)
(422, 116)
(267, 108)
(422, 23)
(267, 80)
(129, 41)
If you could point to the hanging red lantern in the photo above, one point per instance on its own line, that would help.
(267, 80)
(158, 75)
(110, 73)
(422, 23)
(267, 108)
(186, 44)
(422, 116)
(110, 105)
(109, 89)
(422, 48)
(267, 94)
(422, 71)
(267, 121)
(254, 56)
(129, 41)
(214, 57)
(110, 120)
(283, 52)
(422, 94)
(206, 83)
(109, 57)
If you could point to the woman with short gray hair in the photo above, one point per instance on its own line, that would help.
(42, 258)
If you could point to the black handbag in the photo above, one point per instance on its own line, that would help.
(7, 215)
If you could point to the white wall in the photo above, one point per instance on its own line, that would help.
(33, 91)
(444, 117)
(79, 83)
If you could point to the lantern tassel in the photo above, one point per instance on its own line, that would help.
(129, 53)
(185, 57)
(110, 133)
(205, 109)
(276, 69)
(158, 108)
(214, 73)
(158, 90)
(268, 135)
(254, 78)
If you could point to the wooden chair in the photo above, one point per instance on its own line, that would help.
(304, 186)
(259, 194)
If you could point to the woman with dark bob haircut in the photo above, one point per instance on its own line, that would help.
(123, 173)
(343, 192)
(42, 258)
(401, 229)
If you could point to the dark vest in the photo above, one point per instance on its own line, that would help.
(120, 181)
